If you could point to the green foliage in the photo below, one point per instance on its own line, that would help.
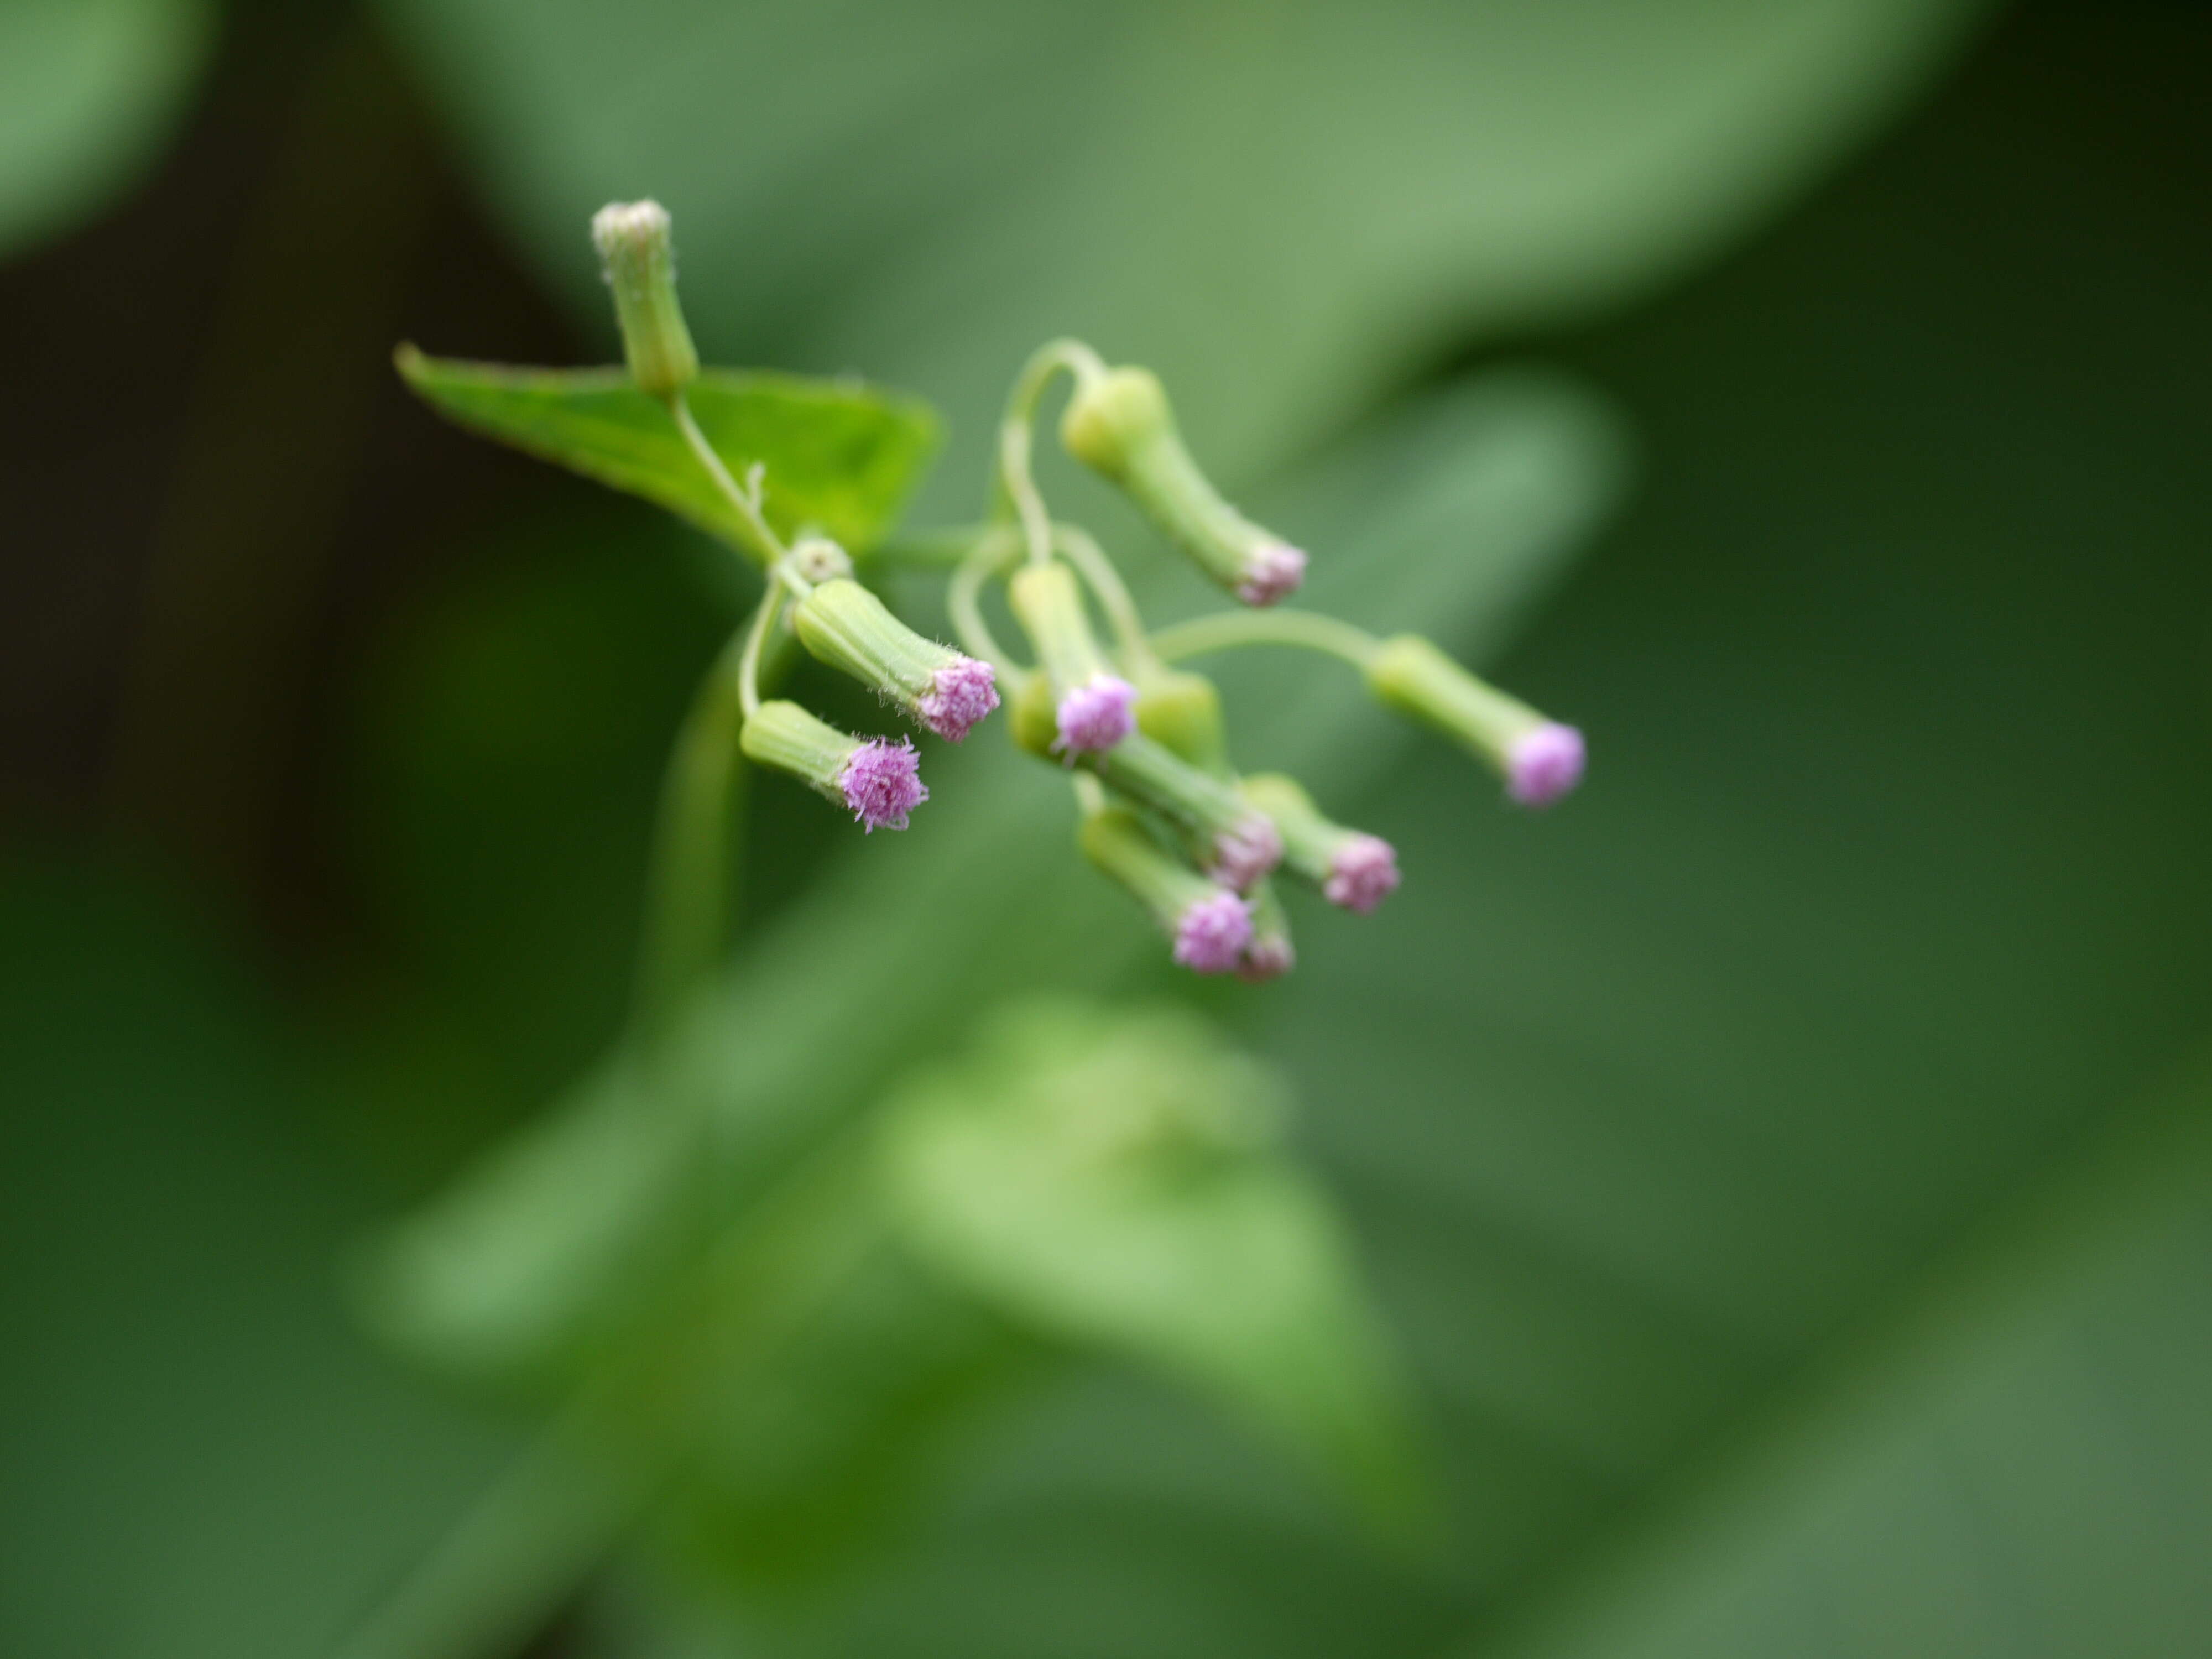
(1278, 207)
(1118, 1184)
(840, 458)
(89, 89)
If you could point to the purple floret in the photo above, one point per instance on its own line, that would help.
(961, 693)
(1363, 872)
(1096, 714)
(1545, 765)
(1273, 571)
(1212, 934)
(882, 783)
(1246, 851)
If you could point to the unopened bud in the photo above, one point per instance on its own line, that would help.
(1353, 870)
(1540, 759)
(843, 624)
(1270, 954)
(877, 780)
(1211, 927)
(1094, 707)
(639, 255)
(1119, 424)
(1181, 712)
(1237, 841)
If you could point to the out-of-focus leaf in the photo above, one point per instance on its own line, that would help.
(1509, 475)
(2022, 1447)
(839, 457)
(201, 1459)
(1280, 207)
(1115, 1182)
(88, 91)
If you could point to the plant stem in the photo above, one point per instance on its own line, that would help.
(963, 599)
(1307, 630)
(1090, 560)
(763, 543)
(517, 1555)
(1014, 486)
(690, 887)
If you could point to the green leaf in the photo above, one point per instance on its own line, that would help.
(1113, 1180)
(2020, 1445)
(89, 91)
(839, 457)
(1283, 209)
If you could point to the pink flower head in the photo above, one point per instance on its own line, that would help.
(1273, 571)
(881, 784)
(1267, 958)
(1211, 937)
(960, 694)
(1246, 851)
(1363, 872)
(1544, 765)
(1096, 714)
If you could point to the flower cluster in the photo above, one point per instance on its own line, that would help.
(1164, 812)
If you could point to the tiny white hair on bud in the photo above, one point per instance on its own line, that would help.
(623, 227)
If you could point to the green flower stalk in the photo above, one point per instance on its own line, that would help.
(843, 624)
(1353, 870)
(1270, 954)
(638, 251)
(1094, 707)
(1540, 759)
(877, 780)
(1240, 843)
(1212, 928)
(1120, 425)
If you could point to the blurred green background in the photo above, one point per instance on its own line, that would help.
(1785, 1169)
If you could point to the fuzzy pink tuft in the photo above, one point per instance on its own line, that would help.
(1273, 572)
(1267, 958)
(1363, 872)
(1545, 765)
(1212, 934)
(882, 783)
(1246, 851)
(960, 694)
(1096, 714)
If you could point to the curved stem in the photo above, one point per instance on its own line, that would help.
(748, 659)
(1015, 488)
(1307, 630)
(1090, 560)
(765, 545)
(963, 599)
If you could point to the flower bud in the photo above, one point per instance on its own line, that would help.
(1182, 712)
(877, 780)
(843, 624)
(1354, 871)
(1211, 927)
(1540, 760)
(1238, 842)
(1119, 424)
(1031, 716)
(638, 256)
(1094, 707)
(1270, 954)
